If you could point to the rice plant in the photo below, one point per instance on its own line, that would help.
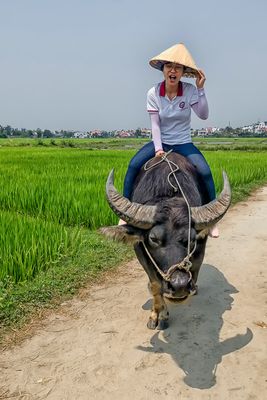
(63, 185)
(243, 168)
(29, 245)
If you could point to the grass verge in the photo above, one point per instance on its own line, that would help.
(20, 302)
(241, 193)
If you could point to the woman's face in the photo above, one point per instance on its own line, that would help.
(172, 73)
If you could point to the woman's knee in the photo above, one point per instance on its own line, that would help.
(205, 171)
(143, 155)
(135, 163)
(201, 165)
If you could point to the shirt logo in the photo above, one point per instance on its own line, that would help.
(182, 104)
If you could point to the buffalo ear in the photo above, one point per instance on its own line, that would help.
(123, 233)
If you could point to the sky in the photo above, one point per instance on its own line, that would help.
(83, 64)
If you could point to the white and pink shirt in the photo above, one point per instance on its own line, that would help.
(174, 116)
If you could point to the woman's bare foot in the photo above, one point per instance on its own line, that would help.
(214, 231)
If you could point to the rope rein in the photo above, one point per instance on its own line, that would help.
(185, 264)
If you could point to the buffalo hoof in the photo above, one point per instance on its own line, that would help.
(195, 290)
(163, 324)
(152, 324)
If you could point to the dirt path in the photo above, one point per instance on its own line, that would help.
(215, 348)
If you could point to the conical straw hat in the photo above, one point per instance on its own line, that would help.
(176, 54)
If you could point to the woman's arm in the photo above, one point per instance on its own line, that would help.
(156, 136)
(201, 108)
(153, 110)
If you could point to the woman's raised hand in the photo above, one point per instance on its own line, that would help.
(200, 80)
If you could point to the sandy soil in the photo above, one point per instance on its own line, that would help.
(215, 348)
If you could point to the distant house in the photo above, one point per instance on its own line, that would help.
(96, 133)
(124, 134)
(80, 135)
(247, 128)
(146, 133)
(260, 127)
(205, 132)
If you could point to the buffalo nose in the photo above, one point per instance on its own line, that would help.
(181, 281)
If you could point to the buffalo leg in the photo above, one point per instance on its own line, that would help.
(159, 314)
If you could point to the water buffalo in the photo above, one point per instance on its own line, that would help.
(160, 219)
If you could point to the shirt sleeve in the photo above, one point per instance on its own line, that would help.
(201, 108)
(152, 104)
(155, 129)
(194, 98)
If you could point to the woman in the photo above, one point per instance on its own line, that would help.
(169, 105)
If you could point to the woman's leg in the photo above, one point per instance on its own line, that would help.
(190, 151)
(142, 156)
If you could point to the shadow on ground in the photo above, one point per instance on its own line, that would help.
(193, 336)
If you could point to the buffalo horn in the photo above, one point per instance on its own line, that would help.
(209, 214)
(138, 215)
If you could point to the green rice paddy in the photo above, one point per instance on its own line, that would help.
(47, 192)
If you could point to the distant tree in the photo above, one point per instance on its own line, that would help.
(30, 133)
(47, 133)
(67, 134)
(138, 132)
(16, 132)
(39, 133)
(25, 133)
(8, 130)
(228, 129)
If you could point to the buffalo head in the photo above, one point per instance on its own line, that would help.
(160, 233)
